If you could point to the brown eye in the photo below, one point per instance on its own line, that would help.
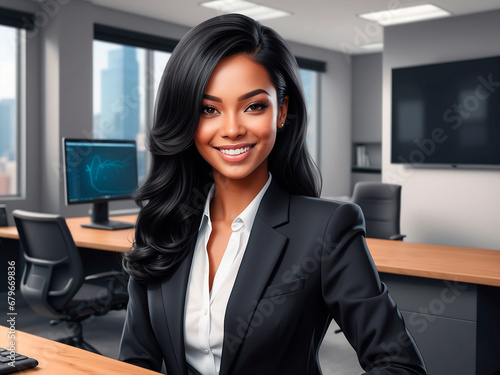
(209, 110)
(256, 107)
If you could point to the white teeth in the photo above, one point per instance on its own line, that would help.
(237, 151)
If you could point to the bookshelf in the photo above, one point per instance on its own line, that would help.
(367, 157)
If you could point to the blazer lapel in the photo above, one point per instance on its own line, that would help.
(261, 255)
(174, 296)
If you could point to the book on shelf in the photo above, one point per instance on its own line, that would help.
(362, 159)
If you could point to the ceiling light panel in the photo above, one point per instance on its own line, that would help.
(256, 11)
(406, 15)
(378, 46)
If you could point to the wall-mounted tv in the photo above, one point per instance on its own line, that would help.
(447, 114)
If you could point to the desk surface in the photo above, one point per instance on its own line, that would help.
(464, 264)
(55, 358)
(110, 240)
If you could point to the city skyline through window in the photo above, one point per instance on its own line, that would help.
(9, 103)
(126, 80)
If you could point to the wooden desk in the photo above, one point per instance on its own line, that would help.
(55, 358)
(110, 240)
(450, 300)
(463, 264)
(448, 295)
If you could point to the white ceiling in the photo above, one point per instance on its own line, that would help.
(330, 24)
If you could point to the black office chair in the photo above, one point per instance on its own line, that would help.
(381, 205)
(53, 284)
(3, 216)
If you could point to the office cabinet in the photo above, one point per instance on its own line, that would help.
(455, 325)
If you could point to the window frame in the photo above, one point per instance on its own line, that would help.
(318, 67)
(16, 18)
(150, 44)
(133, 38)
(23, 22)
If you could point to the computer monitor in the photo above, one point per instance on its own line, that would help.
(99, 171)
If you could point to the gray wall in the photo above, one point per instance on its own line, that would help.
(443, 206)
(367, 98)
(367, 111)
(59, 102)
(335, 118)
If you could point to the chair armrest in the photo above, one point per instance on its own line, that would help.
(114, 279)
(103, 275)
(397, 237)
(61, 292)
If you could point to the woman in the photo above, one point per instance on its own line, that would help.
(238, 267)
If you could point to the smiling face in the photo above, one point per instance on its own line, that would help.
(239, 120)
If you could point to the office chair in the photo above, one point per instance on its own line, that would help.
(381, 205)
(3, 216)
(53, 284)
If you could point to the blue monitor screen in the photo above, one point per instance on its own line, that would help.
(99, 170)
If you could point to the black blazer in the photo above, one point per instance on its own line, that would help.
(306, 262)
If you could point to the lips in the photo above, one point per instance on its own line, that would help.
(235, 151)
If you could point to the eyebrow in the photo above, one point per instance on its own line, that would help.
(253, 93)
(242, 97)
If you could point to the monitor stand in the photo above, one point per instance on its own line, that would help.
(99, 219)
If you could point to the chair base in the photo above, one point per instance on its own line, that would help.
(76, 339)
(78, 342)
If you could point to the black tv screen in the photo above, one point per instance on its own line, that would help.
(447, 113)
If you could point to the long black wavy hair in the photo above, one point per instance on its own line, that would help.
(174, 193)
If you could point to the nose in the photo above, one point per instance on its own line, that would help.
(232, 127)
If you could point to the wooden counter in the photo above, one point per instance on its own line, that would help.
(55, 358)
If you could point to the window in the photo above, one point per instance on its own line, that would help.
(126, 78)
(310, 83)
(310, 72)
(12, 73)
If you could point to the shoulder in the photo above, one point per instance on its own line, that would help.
(279, 207)
(334, 217)
(321, 206)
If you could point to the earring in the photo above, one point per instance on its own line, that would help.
(281, 125)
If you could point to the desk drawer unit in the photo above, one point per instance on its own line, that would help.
(456, 325)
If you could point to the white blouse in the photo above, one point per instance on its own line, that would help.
(205, 310)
